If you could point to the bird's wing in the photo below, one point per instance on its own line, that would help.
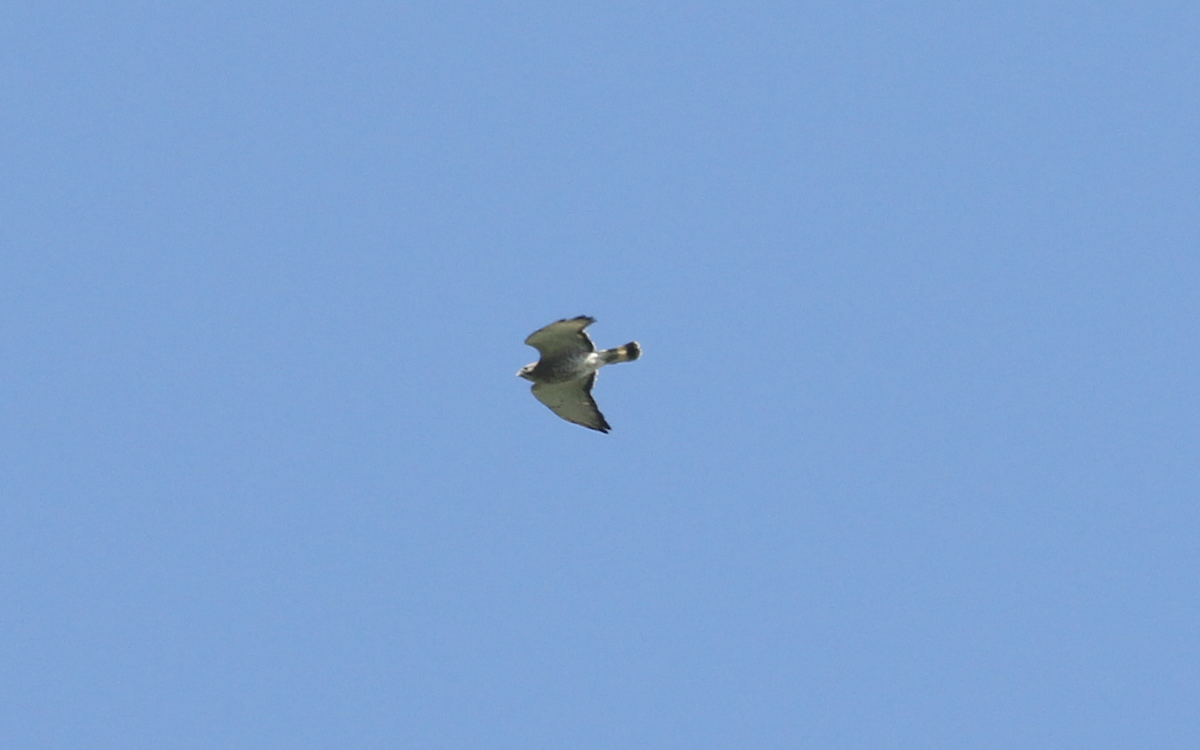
(573, 402)
(563, 337)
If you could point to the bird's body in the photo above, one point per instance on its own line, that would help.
(564, 376)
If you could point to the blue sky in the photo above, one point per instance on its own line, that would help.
(910, 459)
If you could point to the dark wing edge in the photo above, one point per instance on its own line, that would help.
(573, 402)
(562, 335)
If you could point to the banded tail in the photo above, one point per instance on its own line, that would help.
(627, 353)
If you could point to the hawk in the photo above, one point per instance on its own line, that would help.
(564, 376)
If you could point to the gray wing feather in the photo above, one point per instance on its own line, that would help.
(563, 337)
(573, 402)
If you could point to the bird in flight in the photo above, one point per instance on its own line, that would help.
(564, 376)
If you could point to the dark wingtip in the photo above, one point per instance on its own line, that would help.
(634, 350)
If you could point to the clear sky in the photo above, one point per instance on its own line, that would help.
(911, 458)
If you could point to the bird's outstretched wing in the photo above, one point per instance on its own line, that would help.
(563, 337)
(573, 402)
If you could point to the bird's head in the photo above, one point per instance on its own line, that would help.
(527, 371)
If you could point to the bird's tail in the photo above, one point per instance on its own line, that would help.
(627, 353)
